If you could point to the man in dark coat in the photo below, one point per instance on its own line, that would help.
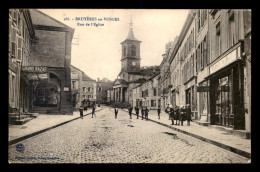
(130, 111)
(93, 110)
(137, 111)
(172, 114)
(188, 114)
(159, 111)
(146, 112)
(182, 113)
(116, 112)
(143, 111)
(81, 112)
(177, 114)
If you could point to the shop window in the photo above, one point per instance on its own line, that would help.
(224, 102)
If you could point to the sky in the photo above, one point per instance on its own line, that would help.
(98, 50)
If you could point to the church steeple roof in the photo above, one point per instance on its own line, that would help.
(130, 35)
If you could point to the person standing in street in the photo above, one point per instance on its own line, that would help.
(159, 111)
(146, 112)
(93, 110)
(188, 114)
(116, 112)
(172, 114)
(81, 112)
(130, 111)
(182, 110)
(137, 111)
(177, 114)
(167, 110)
(142, 111)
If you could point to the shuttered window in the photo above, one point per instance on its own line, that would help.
(13, 44)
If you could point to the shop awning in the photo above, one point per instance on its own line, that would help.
(35, 72)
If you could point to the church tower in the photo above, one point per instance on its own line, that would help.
(130, 60)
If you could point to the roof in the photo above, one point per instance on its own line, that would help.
(130, 35)
(40, 18)
(86, 77)
(140, 80)
(121, 81)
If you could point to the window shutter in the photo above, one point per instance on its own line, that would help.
(10, 37)
(13, 53)
(19, 48)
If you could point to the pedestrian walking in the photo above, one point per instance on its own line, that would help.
(159, 111)
(167, 110)
(172, 114)
(188, 114)
(177, 115)
(182, 113)
(137, 111)
(93, 110)
(85, 108)
(81, 112)
(146, 113)
(130, 111)
(116, 112)
(143, 111)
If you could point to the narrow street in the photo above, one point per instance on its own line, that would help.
(105, 139)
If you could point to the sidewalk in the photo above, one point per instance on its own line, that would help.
(209, 134)
(40, 124)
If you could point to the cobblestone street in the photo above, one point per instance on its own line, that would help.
(105, 139)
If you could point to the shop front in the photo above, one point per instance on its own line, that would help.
(45, 89)
(226, 90)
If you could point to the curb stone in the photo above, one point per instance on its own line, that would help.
(19, 139)
(216, 143)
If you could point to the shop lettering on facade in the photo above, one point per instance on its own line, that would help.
(228, 59)
(35, 69)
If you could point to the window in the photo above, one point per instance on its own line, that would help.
(205, 49)
(201, 56)
(84, 89)
(89, 96)
(124, 50)
(13, 87)
(73, 85)
(153, 103)
(15, 16)
(89, 89)
(133, 50)
(154, 91)
(218, 40)
(19, 48)
(231, 28)
(198, 12)
(13, 46)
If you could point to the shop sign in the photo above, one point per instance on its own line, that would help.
(228, 59)
(36, 69)
(203, 89)
(66, 89)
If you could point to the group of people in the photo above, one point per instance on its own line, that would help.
(85, 108)
(179, 114)
(144, 112)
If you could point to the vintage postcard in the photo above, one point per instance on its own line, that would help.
(129, 86)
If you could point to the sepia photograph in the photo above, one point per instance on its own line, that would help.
(129, 86)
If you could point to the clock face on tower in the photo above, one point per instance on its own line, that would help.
(133, 63)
